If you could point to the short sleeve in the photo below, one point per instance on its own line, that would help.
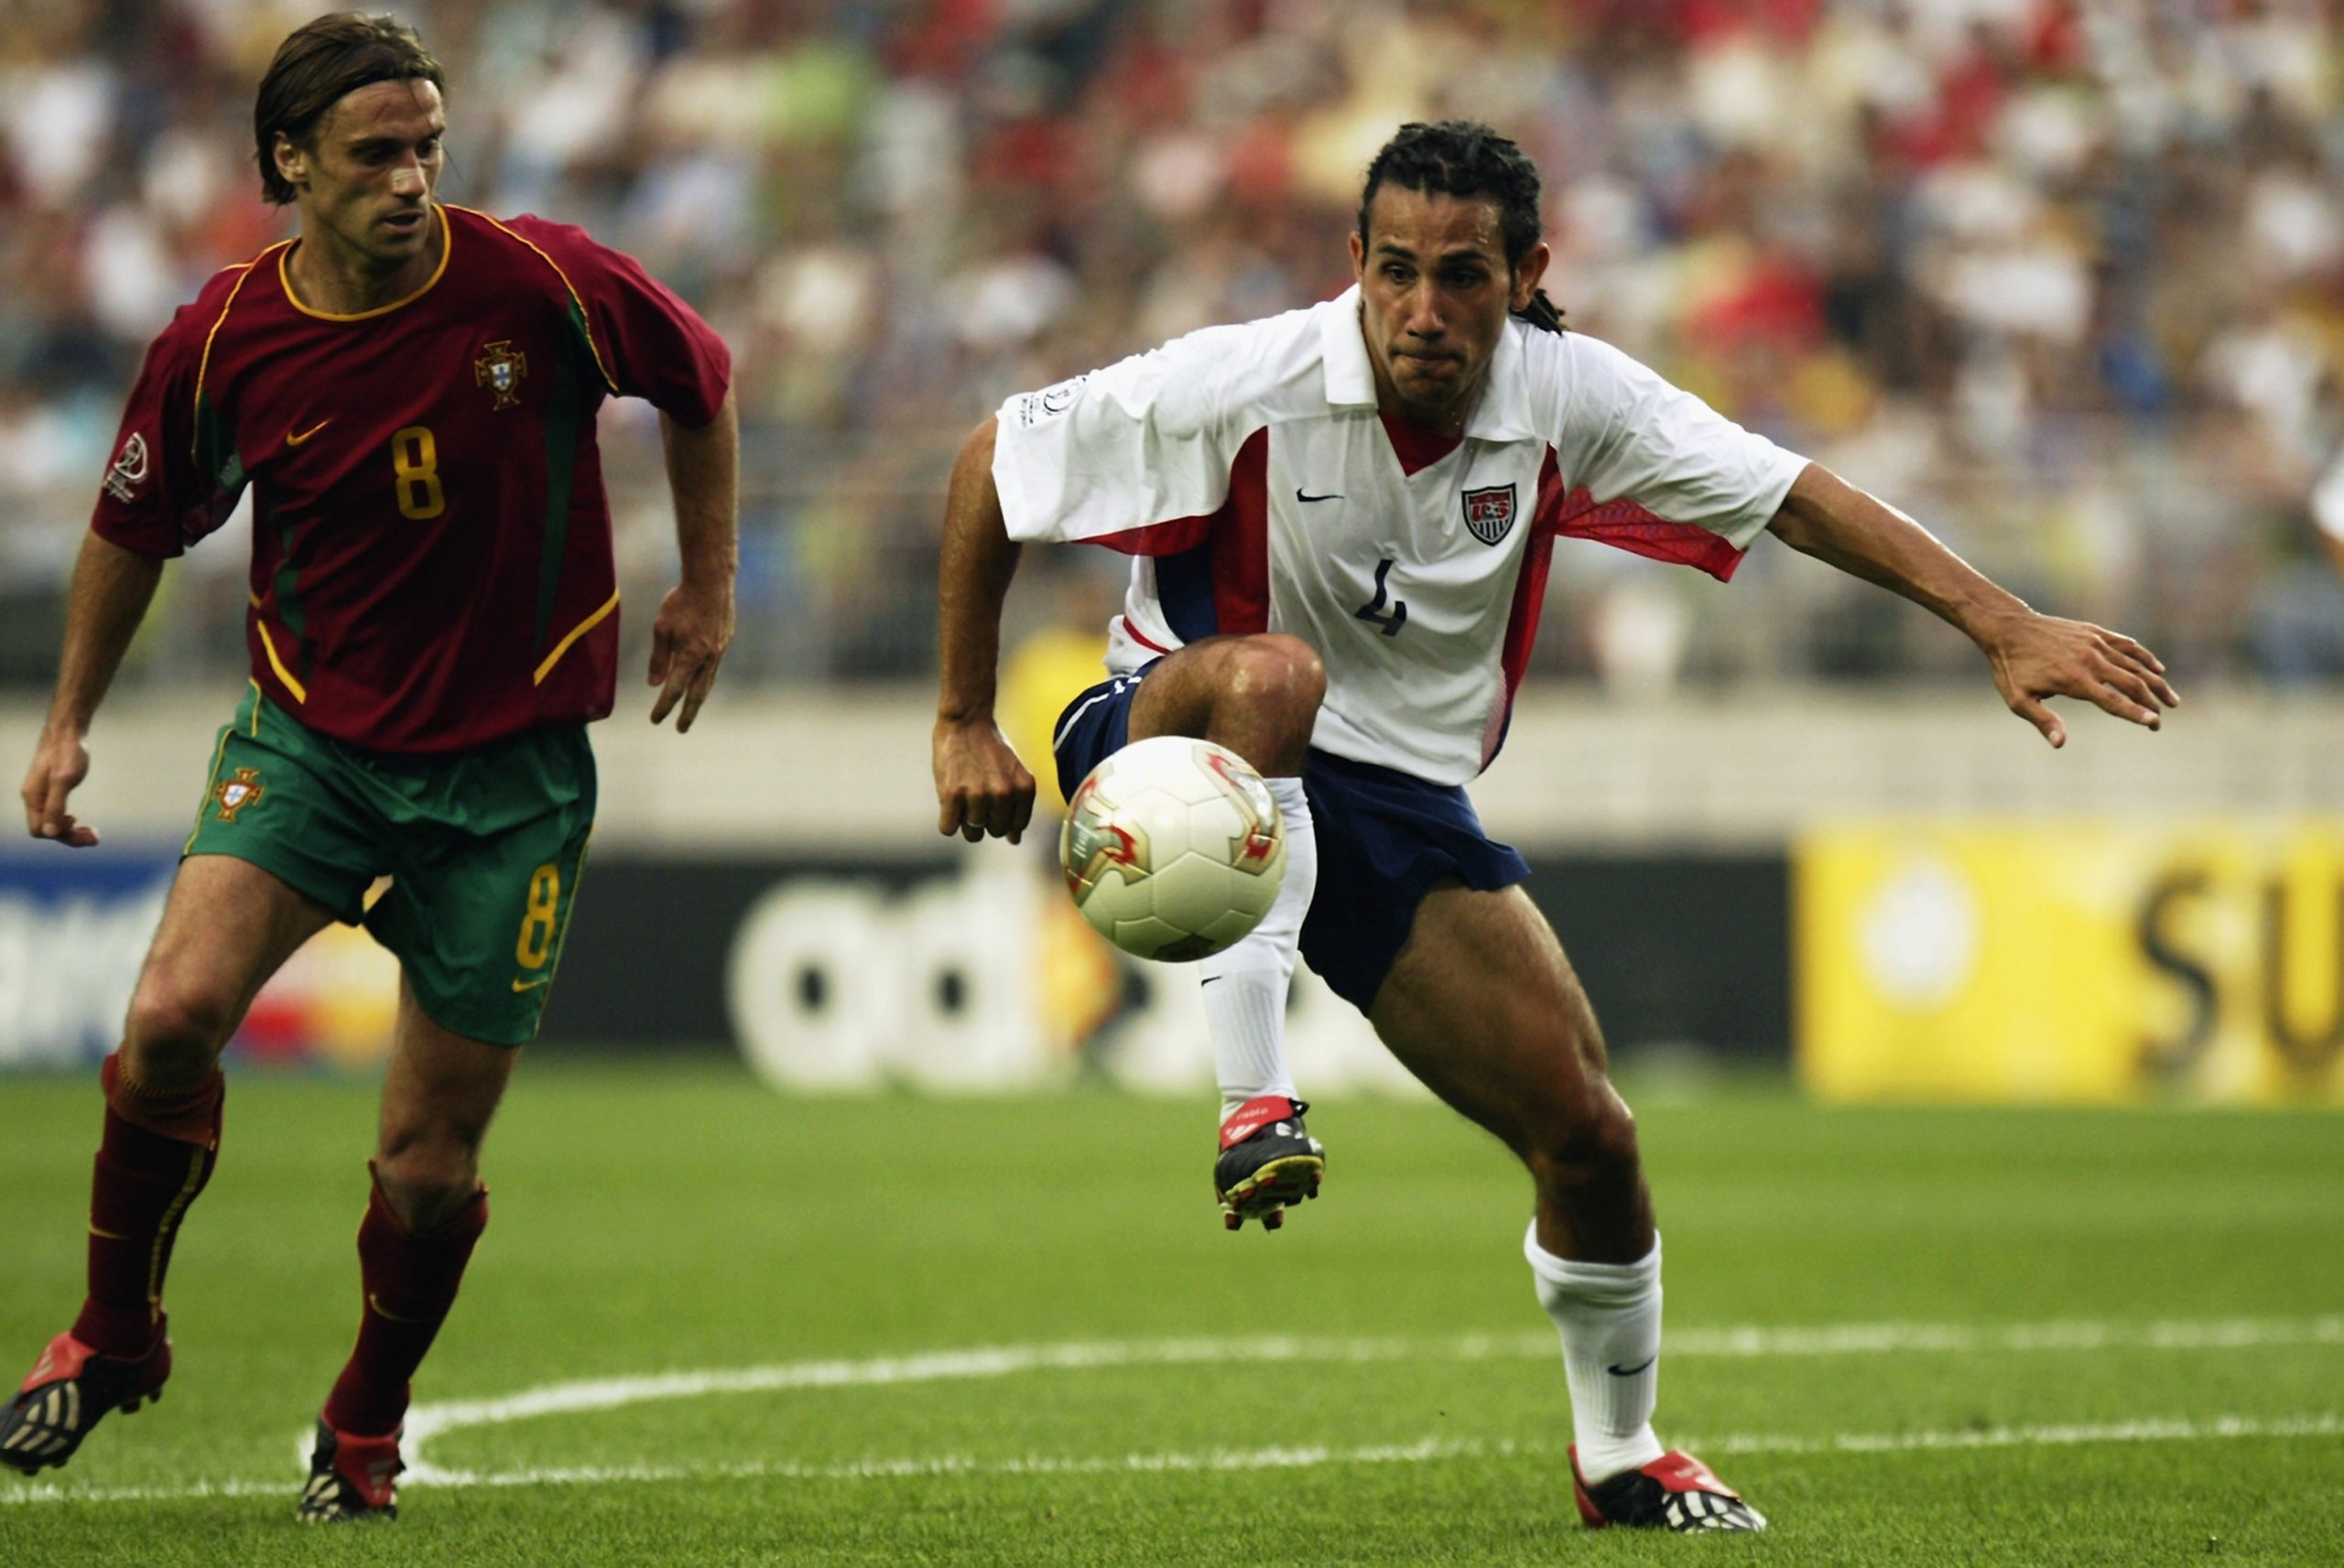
(1628, 436)
(154, 499)
(648, 343)
(1124, 449)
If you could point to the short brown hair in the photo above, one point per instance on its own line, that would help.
(316, 67)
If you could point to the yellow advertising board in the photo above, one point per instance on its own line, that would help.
(2084, 962)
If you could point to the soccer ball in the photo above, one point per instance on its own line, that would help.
(1172, 848)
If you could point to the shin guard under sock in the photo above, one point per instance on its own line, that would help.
(410, 1283)
(153, 1157)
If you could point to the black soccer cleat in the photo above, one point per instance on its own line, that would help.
(70, 1387)
(349, 1478)
(1674, 1491)
(1268, 1160)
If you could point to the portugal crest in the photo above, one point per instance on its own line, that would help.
(1488, 514)
(500, 368)
(235, 795)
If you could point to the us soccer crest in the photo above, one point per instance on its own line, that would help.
(500, 368)
(235, 795)
(1488, 514)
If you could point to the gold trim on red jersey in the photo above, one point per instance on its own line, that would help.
(203, 365)
(562, 647)
(447, 248)
(300, 693)
(575, 297)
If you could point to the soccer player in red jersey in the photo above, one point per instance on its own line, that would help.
(408, 391)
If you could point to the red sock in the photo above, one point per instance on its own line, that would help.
(410, 1281)
(156, 1155)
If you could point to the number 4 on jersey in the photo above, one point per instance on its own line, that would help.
(1390, 620)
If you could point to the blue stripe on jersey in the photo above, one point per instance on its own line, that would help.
(1184, 589)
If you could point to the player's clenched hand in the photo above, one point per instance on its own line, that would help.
(60, 763)
(687, 642)
(2038, 656)
(980, 786)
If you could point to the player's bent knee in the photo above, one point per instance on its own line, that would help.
(1591, 1144)
(174, 1035)
(428, 1178)
(1276, 667)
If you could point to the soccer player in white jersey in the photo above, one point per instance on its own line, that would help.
(2327, 510)
(1341, 521)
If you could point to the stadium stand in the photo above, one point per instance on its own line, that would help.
(2067, 279)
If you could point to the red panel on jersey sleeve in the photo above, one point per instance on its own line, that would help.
(1625, 526)
(1239, 532)
(1169, 538)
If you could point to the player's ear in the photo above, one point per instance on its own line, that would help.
(1359, 258)
(292, 162)
(1526, 275)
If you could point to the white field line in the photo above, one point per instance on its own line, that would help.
(427, 1421)
(1428, 1450)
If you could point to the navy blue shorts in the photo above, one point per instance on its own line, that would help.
(1385, 839)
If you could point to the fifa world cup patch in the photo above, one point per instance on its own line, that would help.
(129, 468)
(500, 368)
(1031, 408)
(1488, 514)
(235, 795)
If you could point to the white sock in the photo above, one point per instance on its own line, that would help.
(1608, 1315)
(1244, 987)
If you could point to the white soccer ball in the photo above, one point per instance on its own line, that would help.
(1172, 848)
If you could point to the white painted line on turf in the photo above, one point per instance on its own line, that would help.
(427, 1421)
(1427, 1451)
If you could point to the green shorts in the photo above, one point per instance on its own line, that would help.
(482, 848)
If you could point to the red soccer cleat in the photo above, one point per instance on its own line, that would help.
(70, 1387)
(350, 1477)
(1267, 1160)
(1674, 1491)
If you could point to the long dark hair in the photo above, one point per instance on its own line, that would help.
(1461, 158)
(316, 65)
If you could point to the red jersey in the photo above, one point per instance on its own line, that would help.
(431, 547)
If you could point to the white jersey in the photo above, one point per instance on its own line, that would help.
(1247, 471)
(2327, 500)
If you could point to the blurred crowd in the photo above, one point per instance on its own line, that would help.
(2064, 280)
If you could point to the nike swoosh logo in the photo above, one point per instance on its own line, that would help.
(375, 1304)
(293, 440)
(532, 985)
(97, 1230)
(1298, 495)
(1620, 1371)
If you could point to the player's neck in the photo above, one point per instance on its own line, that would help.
(329, 275)
(1447, 422)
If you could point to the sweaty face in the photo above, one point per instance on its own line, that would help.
(1434, 292)
(364, 182)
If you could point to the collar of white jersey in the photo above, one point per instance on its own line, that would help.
(1503, 414)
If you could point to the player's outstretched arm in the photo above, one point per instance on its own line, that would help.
(111, 588)
(2035, 656)
(980, 786)
(695, 622)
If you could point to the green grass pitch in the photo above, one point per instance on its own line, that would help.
(1012, 1332)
